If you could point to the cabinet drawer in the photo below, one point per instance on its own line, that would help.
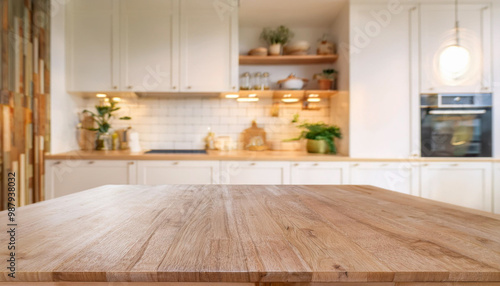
(255, 173)
(400, 177)
(177, 172)
(65, 177)
(319, 173)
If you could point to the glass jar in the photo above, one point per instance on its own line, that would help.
(104, 141)
(256, 84)
(265, 82)
(245, 81)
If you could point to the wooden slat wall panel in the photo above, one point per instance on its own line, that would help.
(24, 99)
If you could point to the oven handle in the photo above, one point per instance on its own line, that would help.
(460, 112)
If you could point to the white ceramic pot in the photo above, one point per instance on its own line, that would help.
(292, 82)
(275, 49)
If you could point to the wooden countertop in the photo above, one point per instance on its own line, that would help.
(243, 156)
(253, 234)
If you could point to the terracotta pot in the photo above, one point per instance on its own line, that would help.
(275, 50)
(325, 84)
(317, 146)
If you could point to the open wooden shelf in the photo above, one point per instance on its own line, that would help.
(288, 60)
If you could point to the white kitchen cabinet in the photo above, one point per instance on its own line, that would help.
(496, 188)
(319, 173)
(209, 46)
(177, 172)
(380, 80)
(437, 32)
(400, 177)
(462, 183)
(149, 50)
(152, 46)
(64, 177)
(92, 53)
(254, 173)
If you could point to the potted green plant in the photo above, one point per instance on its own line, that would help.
(104, 112)
(326, 79)
(320, 136)
(276, 39)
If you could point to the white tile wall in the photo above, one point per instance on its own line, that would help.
(183, 123)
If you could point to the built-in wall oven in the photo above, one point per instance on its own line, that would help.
(456, 125)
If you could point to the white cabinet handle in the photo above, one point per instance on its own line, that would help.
(384, 165)
(296, 164)
(189, 87)
(91, 162)
(175, 163)
(454, 165)
(355, 165)
(315, 164)
(57, 163)
(131, 163)
(115, 87)
(252, 164)
(174, 87)
(129, 87)
(425, 165)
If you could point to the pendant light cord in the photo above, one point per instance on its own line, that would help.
(456, 23)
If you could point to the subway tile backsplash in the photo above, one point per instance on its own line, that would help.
(171, 123)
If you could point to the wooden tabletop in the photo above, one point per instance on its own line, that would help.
(253, 234)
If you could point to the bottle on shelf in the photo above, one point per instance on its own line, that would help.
(245, 81)
(265, 82)
(256, 84)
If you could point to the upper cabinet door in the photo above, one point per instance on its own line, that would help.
(91, 30)
(437, 32)
(148, 45)
(208, 43)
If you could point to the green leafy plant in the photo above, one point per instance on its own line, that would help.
(103, 115)
(319, 131)
(280, 35)
(326, 74)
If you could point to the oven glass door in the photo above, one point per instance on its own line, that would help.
(457, 132)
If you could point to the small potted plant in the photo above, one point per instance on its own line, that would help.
(104, 112)
(326, 79)
(276, 39)
(320, 136)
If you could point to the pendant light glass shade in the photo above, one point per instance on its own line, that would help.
(454, 62)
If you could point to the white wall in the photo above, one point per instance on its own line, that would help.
(340, 102)
(63, 107)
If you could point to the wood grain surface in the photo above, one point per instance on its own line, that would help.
(254, 234)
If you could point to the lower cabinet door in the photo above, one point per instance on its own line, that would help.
(464, 184)
(400, 177)
(496, 188)
(177, 172)
(254, 173)
(319, 173)
(64, 177)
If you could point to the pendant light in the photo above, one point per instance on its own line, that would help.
(455, 60)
